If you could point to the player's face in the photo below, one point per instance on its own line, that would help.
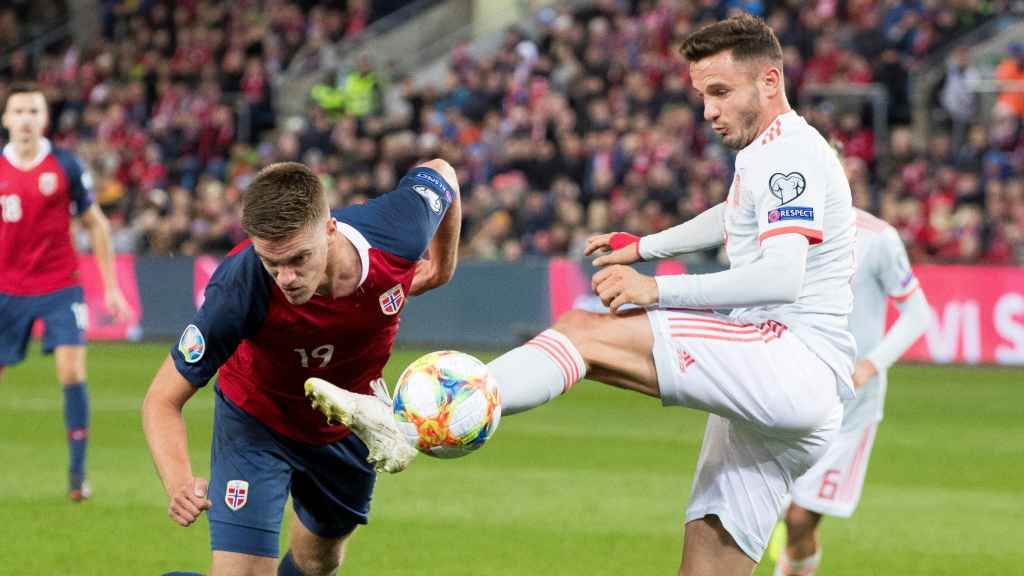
(25, 117)
(732, 101)
(297, 264)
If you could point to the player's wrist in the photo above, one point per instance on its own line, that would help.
(619, 240)
(178, 483)
(873, 365)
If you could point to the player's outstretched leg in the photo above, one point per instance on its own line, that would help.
(369, 417)
(613, 349)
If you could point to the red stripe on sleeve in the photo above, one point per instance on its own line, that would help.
(813, 236)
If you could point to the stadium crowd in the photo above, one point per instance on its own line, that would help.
(587, 125)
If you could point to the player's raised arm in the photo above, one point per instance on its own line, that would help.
(165, 432)
(706, 230)
(775, 278)
(438, 266)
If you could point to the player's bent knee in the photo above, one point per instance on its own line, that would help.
(318, 566)
(800, 522)
(70, 361)
(579, 325)
(322, 557)
(318, 562)
(70, 377)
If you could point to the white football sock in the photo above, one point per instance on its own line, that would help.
(805, 567)
(536, 372)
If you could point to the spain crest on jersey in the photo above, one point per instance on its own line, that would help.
(237, 494)
(48, 183)
(392, 300)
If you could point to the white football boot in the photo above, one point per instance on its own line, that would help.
(369, 417)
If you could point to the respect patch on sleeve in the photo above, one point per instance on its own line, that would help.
(805, 213)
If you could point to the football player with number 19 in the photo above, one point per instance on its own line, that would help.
(314, 295)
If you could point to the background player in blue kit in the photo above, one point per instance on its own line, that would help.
(315, 294)
(41, 188)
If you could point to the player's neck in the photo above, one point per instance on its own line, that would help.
(25, 152)
(344, 268)
(771, 112)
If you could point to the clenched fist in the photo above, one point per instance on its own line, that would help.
(188, 501)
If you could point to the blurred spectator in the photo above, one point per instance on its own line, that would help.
(1011, 71)
(357, 94)
(957, 96)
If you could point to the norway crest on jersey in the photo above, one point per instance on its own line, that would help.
(392, 300)
(237, 494)
(48, 183)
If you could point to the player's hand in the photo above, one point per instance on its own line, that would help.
(619, 285)
(624, 247)
(117, 305)
(863, 373)
(188, 501)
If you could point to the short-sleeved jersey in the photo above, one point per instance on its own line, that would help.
(36, 206)
(789, 180)
(265, 348)
(883, 272)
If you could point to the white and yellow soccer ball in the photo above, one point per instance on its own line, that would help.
(447, 404)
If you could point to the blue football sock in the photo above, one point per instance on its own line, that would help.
(76, 423)
(287, 566)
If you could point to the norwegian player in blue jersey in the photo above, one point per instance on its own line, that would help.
(315, 294)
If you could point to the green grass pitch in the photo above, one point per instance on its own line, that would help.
(594, 483)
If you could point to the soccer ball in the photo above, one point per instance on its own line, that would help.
(447, 404)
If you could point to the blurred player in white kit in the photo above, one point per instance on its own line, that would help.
(833, 486)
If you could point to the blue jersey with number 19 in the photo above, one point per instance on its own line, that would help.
(265, 348)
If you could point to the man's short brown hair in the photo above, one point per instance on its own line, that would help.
(748, 38)
(21, 87)
(281, 200)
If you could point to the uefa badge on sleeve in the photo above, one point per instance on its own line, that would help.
(237, 494)
(392, 300)
(787, 187)
(433, 200)
(192, 344)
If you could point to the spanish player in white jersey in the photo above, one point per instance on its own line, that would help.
(833, 486)
(771, 374)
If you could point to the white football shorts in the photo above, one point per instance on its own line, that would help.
(774, 411)
(833, 485)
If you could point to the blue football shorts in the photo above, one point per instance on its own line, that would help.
(64, 317)
(253, 469)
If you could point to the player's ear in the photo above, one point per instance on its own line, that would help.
(771, 80)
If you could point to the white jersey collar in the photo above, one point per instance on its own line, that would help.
(362, 247)
(44, 151)
(773, 130)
